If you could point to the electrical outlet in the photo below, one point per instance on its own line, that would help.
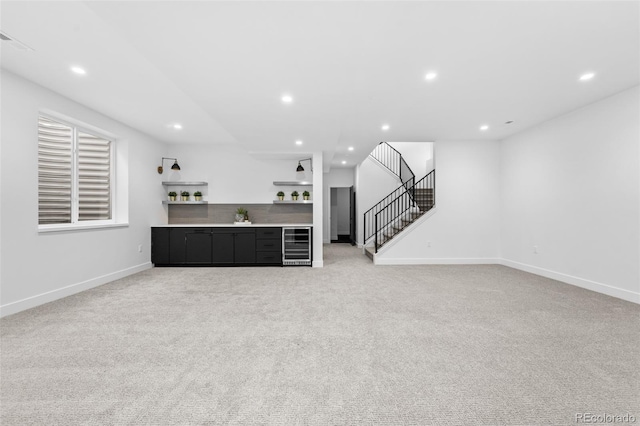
(535, 249)
(428, 243)
(139, 248)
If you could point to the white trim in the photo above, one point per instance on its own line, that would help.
(606, 289)
(437, 261)
(79, 227)
(72, 122)
(50, 296)
(317, 264)
(597, 287)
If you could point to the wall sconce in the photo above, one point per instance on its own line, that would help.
(175, 165)
(300, 168)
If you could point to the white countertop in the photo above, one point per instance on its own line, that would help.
(229, 225)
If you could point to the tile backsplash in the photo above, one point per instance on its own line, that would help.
(224, 213)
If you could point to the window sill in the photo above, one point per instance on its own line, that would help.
(76, 227)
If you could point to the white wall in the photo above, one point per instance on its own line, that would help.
(571, 188)
(465, 225)
(373, 182)
(418, 155)
(233, 175)
(41, 267)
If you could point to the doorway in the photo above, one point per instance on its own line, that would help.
(342, 215)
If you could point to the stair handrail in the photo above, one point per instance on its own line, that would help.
(388, 156)
(368, 233)
(396, 209)
(392, 159)
(390, 215)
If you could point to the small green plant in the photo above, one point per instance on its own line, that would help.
(241, 211)
(185, 193)
(294, 194)
(173, 194)
(305, 194)
(280, 194)
(197, 194)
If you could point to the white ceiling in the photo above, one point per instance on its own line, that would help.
(220, 68)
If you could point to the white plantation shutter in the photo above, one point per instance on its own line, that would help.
(94, 177)
(55, 160)
(74, 174)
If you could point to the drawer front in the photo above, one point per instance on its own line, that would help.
(269, 232)
(271, 244)
(269, 257)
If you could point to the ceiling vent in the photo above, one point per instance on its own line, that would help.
(7, 40)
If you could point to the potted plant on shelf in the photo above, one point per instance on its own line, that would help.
(241, 214)
(280, 195)
(197, 195)
(305, 195)
(172, 195)
(185, 195)
(294, 195)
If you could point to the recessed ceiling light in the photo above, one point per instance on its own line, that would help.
(350, 148)
(298, 142)
(385, 127)
(587, 76)
(287, 99)
(344, 162)
(484, 127)
(177, 126)
(78, 70)
(430, 76)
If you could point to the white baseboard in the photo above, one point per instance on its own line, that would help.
(50, 296)
(620, 293)
(436, 261)
(317, 264)
(608, 290)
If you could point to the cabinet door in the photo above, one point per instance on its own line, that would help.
(177, 246)
(222, 247)
(198, 248)
(245, 248)
(160, 246)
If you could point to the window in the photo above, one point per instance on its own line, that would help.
(75, 175)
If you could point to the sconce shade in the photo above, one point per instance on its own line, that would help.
(300, 168)
(175, 165)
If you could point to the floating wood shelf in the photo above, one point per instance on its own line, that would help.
(292, 202)
(293, 183)
(178, 183)
(185, 202)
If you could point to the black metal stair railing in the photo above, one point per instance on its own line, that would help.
(403, 210)
(368, 222)
(388, 156)
(392, 159)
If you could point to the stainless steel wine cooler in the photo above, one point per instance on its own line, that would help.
(296, 246)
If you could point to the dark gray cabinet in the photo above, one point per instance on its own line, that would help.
(269, 246)
(216, 246)
(160, 247)
(233, 246)
(197, 246)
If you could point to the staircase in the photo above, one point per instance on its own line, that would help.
(403, 206)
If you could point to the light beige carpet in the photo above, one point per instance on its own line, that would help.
(348, 344)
